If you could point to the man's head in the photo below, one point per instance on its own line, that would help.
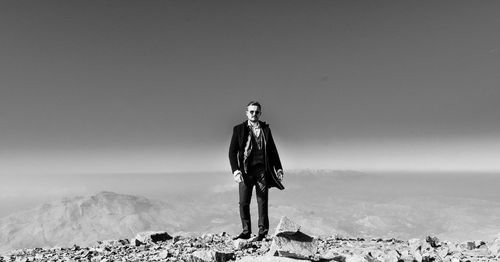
(254, 110)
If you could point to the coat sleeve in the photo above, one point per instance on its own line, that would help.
(274, 157)
(233, 151)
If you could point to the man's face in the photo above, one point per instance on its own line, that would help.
(253, 113)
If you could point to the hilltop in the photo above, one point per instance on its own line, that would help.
(84, 220)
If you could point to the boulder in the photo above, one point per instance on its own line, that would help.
(288, 241)
(150, 237)
(286, 226)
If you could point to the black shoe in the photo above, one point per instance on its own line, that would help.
(260, 237)
(242, 236)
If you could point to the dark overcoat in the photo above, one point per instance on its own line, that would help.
(272, 159)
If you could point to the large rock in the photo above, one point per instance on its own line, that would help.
(286, 226)
(150, 237)
(288, 241)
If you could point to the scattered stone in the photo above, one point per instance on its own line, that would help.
(150, 237)
(221, 248)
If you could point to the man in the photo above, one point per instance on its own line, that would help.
(255, 162)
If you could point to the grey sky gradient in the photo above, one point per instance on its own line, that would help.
(156, 86)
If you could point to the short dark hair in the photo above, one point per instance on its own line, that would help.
(254, 103)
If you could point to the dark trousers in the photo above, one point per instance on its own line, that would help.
(258, 180)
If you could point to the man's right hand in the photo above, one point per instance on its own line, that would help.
(238, 176)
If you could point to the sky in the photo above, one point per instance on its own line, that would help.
(156, 86)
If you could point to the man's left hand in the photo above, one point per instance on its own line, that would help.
(279, 174)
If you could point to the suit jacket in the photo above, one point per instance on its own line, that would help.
(272, 159)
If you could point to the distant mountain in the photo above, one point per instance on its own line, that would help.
(84, 220)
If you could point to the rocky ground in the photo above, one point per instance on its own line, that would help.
(288, 243)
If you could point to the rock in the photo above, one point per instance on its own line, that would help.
(288, 241)
(223, 256)
(433, 241)
(415, 246)
(267, 259)
(426, 246)
(150, 237)
(431, 256)
(494, 247)
(286, 226)
(479, 243)
(372, 255)
(370, 258)
(469, 245)
(392, 256)
(163, 254)
(240, 244)
(202, 256)
(355, 258)
(332, 255)
(443, 251)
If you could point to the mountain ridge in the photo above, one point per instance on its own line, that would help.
(83, 220)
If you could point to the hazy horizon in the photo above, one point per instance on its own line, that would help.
(21, 192)
(403, 206)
